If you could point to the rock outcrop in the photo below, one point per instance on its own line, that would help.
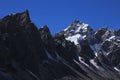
(76, 53)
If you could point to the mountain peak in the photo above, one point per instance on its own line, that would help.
(77, 31)
(76, 53)
(76, 21)
(75, 24)
(19, 18)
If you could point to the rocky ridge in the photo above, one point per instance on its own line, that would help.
(75, 53)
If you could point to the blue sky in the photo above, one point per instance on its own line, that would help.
(58, 14)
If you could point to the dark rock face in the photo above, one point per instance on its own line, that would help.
(28, 53)
(98, 35)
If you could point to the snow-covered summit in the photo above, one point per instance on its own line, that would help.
(103, 43)
(77, 31)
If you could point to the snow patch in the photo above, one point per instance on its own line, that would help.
(111, 38)
(74, 38)
(116, 69)
(95, 64)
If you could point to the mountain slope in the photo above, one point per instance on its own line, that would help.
(76, 53)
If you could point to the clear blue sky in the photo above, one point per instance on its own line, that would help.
(58, 14)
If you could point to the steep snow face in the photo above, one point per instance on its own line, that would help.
(77, 31)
